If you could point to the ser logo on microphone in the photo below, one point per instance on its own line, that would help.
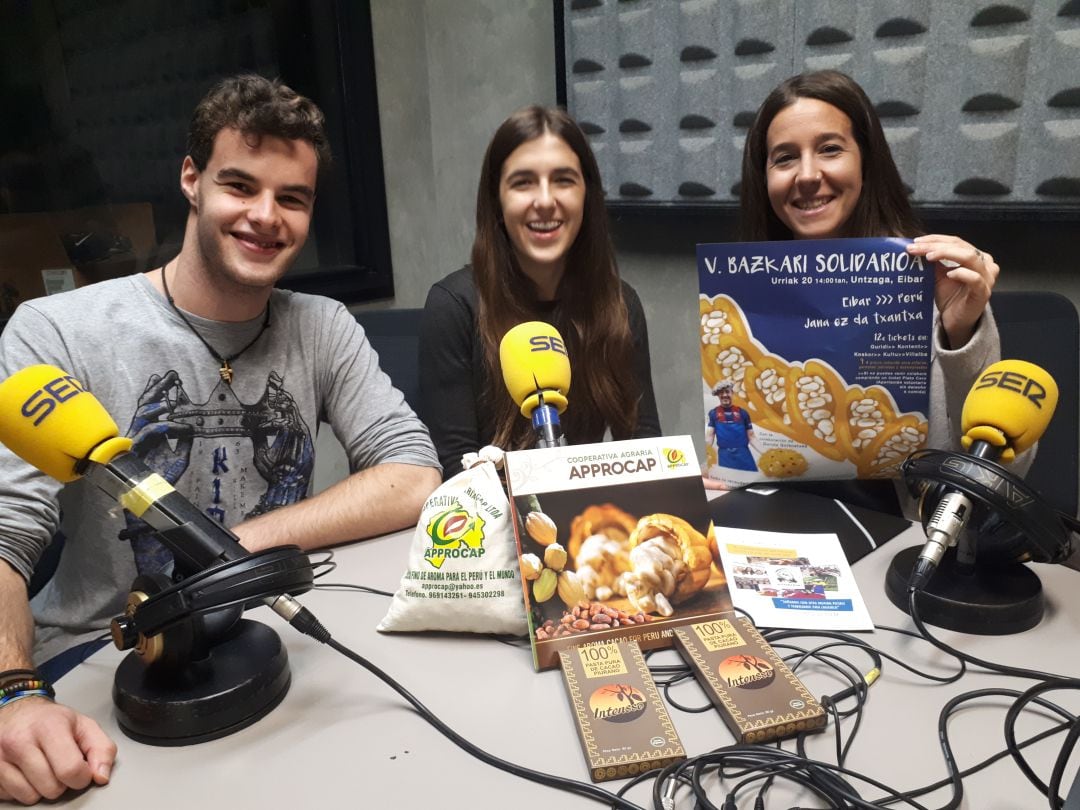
(44, 401)
(1012, 381)
(547, 343)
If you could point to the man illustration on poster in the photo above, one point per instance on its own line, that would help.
(729, 426)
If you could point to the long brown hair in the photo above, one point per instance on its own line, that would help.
(883, 208)
(590, 312)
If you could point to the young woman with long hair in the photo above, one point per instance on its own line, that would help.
(542, 251)
(816, 165)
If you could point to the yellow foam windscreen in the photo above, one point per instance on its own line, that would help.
(534, 362)
(1009, 406)
(50, 420)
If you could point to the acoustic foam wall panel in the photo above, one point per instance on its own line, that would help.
(980, 101)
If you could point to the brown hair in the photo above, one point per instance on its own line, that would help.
(256, 106)
(590, 314)
(883, 208)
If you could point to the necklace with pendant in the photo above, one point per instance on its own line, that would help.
(226, 370)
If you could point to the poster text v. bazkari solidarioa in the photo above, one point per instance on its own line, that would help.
(815, 357)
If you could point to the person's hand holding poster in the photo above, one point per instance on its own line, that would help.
(815, 357)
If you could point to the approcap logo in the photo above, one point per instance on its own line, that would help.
(675, 458)
(746, 672)
(455, 532)
(617, 703)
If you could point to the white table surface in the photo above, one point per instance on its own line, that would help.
(341, 738)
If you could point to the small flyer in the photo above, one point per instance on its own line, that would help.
(799, 581)
(613, 542)
(815, 357)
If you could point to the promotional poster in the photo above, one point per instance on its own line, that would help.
(815, 357)
(613, 542)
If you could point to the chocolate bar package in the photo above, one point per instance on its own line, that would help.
(622, 722)
(756, 693)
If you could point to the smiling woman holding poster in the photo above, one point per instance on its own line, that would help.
(816, 165)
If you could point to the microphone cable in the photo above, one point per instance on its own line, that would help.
(858, 684)
(832, 783)
(667, 676)
(876, 655)
(519, 642)
(345, 586)
(956, 776)
(1050, 789)
(826, 781)
(220, 598)
(307, 624)
(1013, 748)
(549, 780)
(751, 763)
(795, 767)
(1003, 669)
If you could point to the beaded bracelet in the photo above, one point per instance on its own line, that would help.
(28, 685)
(45, 693)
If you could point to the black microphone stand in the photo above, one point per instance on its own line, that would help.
(981, 585)
(198, 671)
(984, 599)
(202, 677)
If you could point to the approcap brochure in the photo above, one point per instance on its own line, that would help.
(613, 542)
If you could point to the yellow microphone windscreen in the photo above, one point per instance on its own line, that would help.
(50, 420)
(1010, 406)
(534, 360)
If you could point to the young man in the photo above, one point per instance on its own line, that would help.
(221, 379)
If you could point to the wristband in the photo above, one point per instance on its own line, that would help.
(9, 676)
(4, 701)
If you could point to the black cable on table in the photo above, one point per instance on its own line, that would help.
(1017, 672)
(345, 586)
(1049, 790)
(550, 780)
(820, 778)
(752, 764)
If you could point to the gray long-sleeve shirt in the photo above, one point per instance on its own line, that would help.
(235, 451)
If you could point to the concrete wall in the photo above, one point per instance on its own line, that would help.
(449, 71)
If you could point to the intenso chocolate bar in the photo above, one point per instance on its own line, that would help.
(758, 696)
(622, 722)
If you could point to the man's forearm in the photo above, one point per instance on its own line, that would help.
(368, 503)
(17, 627)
